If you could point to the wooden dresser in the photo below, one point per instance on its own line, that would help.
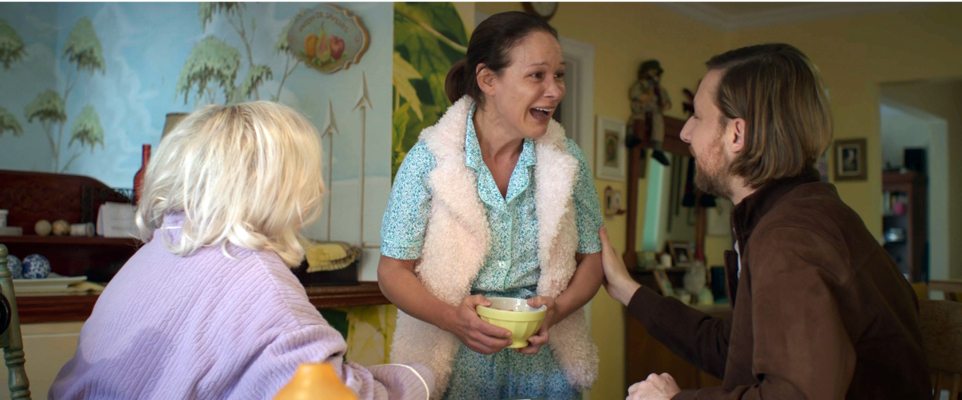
(645, 355)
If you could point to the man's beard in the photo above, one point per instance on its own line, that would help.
(716, 179)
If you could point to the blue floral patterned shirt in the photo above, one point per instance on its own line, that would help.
(511, 265)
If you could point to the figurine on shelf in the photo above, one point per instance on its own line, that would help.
(649, 98)
(42, 227)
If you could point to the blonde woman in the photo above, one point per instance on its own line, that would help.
(208, 308)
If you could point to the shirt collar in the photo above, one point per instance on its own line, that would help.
(750, 211)
(472, 147)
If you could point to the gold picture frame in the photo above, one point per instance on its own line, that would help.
(611, 158)
(850, 160)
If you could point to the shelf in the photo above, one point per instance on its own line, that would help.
(362, 294)
(46, 309)
(71, 240)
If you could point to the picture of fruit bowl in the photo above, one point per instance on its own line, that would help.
(326, 38)
(514, 315)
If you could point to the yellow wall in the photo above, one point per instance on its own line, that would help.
(856, 55)
(624, 35)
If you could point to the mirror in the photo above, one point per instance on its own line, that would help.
(672, 215)
(669, 209)
(670, 212)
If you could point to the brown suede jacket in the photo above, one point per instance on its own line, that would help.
(820, 310)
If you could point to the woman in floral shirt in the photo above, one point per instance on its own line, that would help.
(495, 201)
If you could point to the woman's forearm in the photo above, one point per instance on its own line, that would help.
(399, 284)
(582, 287)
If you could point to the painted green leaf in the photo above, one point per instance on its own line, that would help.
(399, 125)
(369, 335)
(336, 318)
(443, 18)
(83, 47)
(428, 38)
(283, 44)
(403, 73)
(207, 10)
(255, 77)
(8, 122)
(11, 45)
(211, 62)
(423, 50)
(87, 129)
(48, 106)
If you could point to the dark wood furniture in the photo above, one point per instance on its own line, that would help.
(31, 196)
(645, 355)
(42, 309)
(909, 252)
(941, 324)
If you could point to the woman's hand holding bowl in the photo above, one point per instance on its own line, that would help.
(540, 338)
(477, 335)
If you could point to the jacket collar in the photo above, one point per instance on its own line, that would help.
(746, 215)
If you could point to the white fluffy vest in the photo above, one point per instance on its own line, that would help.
(457, 240)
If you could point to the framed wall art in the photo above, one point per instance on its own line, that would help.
(681, 253)
(850, 156)
(611, 159)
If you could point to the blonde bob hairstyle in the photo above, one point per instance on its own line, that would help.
(247, 174)
(779, 93)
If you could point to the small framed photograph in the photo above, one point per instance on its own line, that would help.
(681, 253)
(850, 155)
(611, 159)
(612, 204)
(663, 283)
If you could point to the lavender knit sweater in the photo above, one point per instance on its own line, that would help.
(207, 326)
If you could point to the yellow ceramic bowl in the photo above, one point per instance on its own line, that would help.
(514, 315)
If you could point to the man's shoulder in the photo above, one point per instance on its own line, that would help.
(811, 209)
(809, 204)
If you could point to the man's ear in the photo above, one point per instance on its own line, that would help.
(738, 138)
(485, 78)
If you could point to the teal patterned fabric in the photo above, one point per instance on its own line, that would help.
(510, 268)
(508, 375)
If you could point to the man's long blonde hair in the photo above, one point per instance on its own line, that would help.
(779, 93)
(247, 174)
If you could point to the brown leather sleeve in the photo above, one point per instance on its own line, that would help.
(691, 334)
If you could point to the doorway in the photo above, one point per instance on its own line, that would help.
(914, 140)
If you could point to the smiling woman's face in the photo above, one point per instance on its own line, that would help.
(527, 93)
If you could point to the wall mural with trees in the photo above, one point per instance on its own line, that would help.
(86, 84)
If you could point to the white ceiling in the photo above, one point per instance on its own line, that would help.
(742, 15)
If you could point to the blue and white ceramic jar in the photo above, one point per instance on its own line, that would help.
(15, 266)
(35, 266)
